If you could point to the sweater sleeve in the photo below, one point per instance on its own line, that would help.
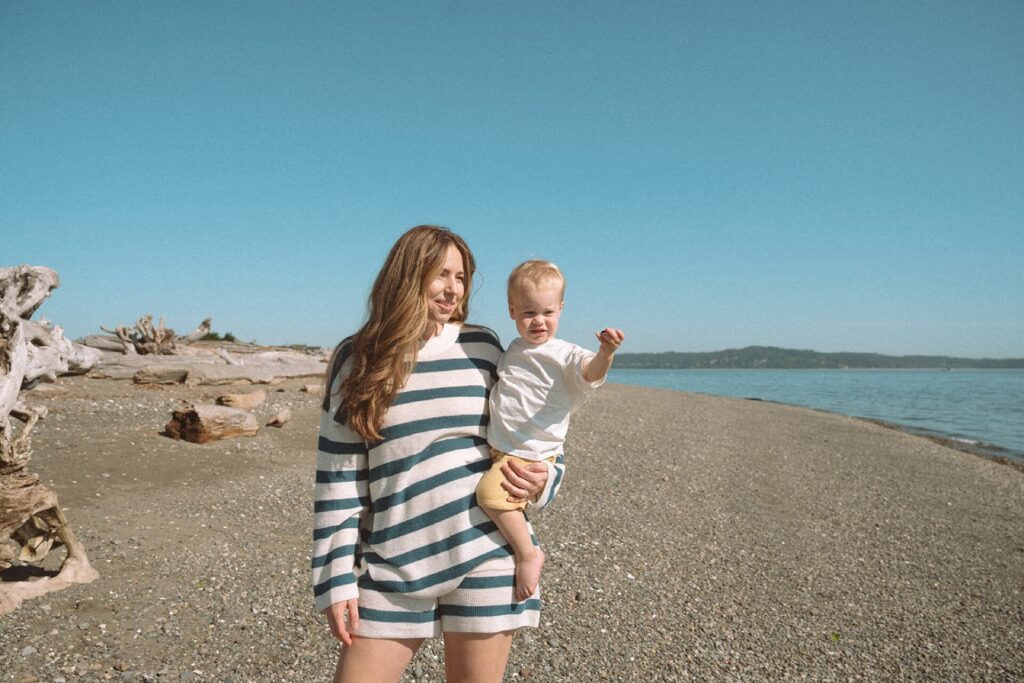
(341, 500)
(555, 472)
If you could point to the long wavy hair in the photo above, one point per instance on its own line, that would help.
(384, 349)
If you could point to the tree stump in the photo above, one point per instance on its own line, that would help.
(205, 423)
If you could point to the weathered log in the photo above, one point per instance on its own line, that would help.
(30, 516)
(228, 358)
(195, 335)
(280, 418)
(154, 374)
(243, 401)
(205, 423)
(50, 354)
(271, 373)
(102, 342)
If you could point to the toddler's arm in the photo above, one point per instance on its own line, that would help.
(597, 367)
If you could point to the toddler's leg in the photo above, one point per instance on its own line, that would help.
(512, 524)
(529, 558)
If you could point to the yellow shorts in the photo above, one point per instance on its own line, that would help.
(489, 493)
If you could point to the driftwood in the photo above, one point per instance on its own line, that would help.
(280, 418)
(204, 329)
(145, 339)
(203, 363)
(160, 375)
(205, 423)
(31, 521)
(243, 401)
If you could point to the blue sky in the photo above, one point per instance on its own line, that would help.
(826, 175)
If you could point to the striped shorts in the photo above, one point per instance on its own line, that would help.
(483, 603)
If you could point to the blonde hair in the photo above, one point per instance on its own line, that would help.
(384, 349)
(537, 273)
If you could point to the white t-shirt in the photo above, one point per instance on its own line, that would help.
(538, 388)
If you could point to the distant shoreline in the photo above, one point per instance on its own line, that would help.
(775, 358)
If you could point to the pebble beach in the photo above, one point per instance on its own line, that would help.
(695, 538)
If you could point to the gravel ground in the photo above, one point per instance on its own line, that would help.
(695, 538)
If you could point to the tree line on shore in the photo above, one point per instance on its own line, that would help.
(771, 357)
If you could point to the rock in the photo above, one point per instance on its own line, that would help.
(280, 418)
(28, 651)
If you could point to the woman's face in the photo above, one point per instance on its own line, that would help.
(444, 292)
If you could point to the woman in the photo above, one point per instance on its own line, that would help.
(400, 546)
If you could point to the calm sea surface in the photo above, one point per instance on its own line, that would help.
(981, 408)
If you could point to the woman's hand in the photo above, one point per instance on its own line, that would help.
(336, 618)
(524, 482)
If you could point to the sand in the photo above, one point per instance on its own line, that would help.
(695, 538)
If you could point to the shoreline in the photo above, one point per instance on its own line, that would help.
(975, 446)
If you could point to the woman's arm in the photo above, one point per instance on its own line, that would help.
(341, 498)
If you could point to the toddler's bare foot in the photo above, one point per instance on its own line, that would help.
(528, 574)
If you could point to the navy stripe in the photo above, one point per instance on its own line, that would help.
(340, 447)
(340, 476)
(424, 485)
(389, 469)
(439, 392)
(340, 551)
(500, 581)
(428, 518)
(328, 531)
(334, 582)
(430, 424)
(487, 337)
(370, 614)
(444, 545)
(449, 364)
(489, 610)
(442, 576)
(341, 353)
(341, 504)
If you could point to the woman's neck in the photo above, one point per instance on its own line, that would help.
(432, 329)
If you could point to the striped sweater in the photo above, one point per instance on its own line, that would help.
(400, 514)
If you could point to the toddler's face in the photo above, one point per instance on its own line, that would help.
(536, 311)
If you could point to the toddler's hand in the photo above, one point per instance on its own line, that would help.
(611, 339)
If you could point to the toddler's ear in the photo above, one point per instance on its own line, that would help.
(511, 311)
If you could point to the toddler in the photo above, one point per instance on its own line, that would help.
(541, 381)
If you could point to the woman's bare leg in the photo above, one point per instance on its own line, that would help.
(476, 657)
(375, 660)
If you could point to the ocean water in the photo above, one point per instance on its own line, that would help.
(981, 409)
